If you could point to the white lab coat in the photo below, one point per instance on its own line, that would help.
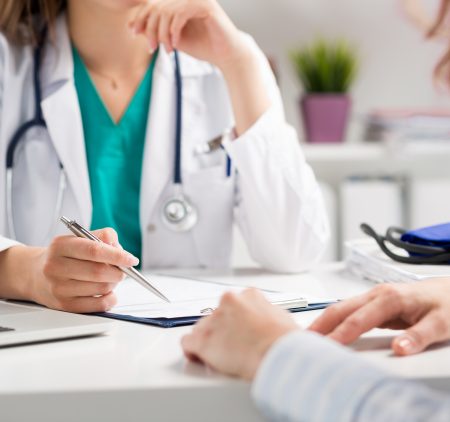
(272, 194)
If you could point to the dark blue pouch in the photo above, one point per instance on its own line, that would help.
(437, 236)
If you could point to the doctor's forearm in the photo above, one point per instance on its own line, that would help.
(245, 82)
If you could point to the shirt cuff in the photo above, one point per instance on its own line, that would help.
(6, 243)
(305, 376)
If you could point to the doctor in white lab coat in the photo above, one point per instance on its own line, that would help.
(228, 89)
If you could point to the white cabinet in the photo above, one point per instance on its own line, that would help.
(407, 185)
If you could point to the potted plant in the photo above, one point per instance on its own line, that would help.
(326, 70)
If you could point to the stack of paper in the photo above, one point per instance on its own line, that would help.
(367, 261)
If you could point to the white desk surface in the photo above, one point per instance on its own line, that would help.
(137, 372)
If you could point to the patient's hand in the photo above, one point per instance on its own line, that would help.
(235, 338)
(423, 309)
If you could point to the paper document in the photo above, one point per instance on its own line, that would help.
(366, 260)
(188, 297)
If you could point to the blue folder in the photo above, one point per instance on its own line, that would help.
(178, 322)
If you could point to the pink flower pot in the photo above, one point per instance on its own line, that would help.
(325, 116)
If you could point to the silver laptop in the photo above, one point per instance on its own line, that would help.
(20, 323)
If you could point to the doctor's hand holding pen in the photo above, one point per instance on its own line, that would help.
(201, 29)
(72, 274)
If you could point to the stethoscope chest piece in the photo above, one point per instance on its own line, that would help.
(178, 214)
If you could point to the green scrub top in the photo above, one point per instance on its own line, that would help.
(114, 156)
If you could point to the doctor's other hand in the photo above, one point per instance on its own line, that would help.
(235, 337)
(199, 28)
(79, 275)
(422, 309)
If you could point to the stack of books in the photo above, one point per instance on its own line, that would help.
(365, 260)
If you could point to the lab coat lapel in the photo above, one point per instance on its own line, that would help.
(62, 115)
(64, 124)
(158, 163)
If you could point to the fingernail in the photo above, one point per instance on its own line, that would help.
(406, 344)
(132, 260)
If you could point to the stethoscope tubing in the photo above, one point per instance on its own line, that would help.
(18, 135)
(36, 121)
(410, 247)
(177, 177)
(429, 254)
(38, 118)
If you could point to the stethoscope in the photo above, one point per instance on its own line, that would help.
(177, 213)
(419, 254)
(36, 122)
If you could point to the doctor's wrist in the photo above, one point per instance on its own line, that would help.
(18, 272)
(240, 57)
(246, 84)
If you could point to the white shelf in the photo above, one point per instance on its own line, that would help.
(369, 152)
(343, 152)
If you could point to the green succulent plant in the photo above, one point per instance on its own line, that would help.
(326, 66)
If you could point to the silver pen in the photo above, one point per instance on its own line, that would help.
(80, 231)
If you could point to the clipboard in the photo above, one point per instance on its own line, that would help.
(192, 299)
(183, 321)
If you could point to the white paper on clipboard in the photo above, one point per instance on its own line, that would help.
(188, 297)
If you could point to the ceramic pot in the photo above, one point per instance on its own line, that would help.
(325, 116)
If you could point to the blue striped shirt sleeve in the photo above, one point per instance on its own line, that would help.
(306, 377)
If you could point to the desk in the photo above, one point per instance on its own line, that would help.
(137, 372)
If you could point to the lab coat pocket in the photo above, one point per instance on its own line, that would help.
(196, 160)
(211, 159)
(213, 195)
